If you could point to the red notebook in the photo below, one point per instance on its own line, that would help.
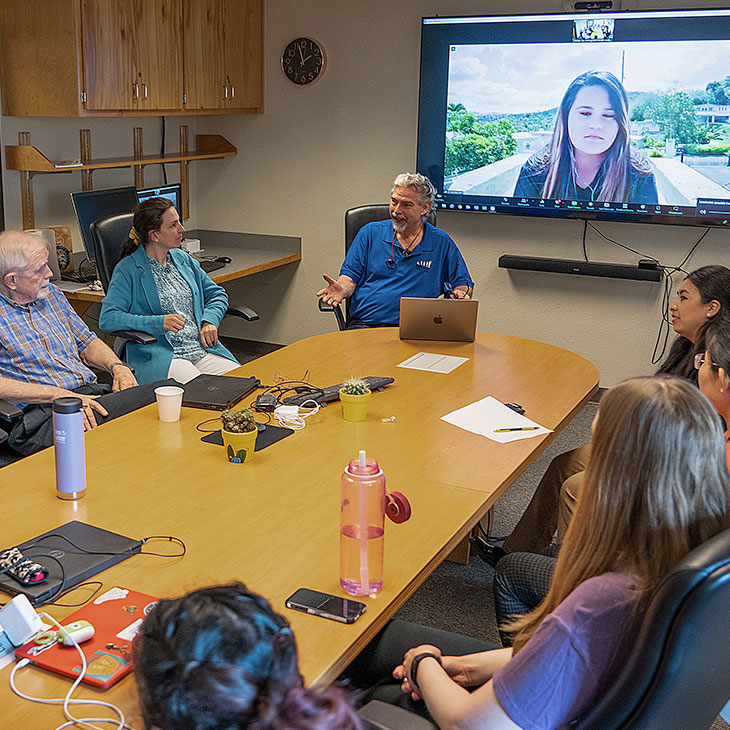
(116, 616)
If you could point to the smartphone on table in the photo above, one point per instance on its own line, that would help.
(335, 608)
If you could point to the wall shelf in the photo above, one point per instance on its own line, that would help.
(29, 161)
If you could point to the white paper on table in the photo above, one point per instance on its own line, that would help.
(433, 362)
(488, 414)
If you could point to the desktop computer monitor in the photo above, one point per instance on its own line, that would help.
(172, 192)
(91, 205)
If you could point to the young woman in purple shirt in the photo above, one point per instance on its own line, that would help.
(656, 487)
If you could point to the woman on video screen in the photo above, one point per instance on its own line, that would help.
(590, 157)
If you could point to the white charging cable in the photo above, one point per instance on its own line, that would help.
(292, 417)
(87, 722)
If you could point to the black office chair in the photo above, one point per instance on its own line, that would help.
(108, 234)
(8, 414)
(677, 675)
(355, 219)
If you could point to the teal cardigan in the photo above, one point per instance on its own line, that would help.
(132, 303)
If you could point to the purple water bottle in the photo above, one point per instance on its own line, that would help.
(68, 437)
(362, 523)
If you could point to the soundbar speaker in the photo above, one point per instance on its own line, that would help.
(585, 268)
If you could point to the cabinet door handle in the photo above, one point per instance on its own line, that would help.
(225, 92)
(233, 92)
(144, 90)
(136, 90)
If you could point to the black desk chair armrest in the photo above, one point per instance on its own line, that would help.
(3, 436)
(9, 412)
(336, 308)
(139, 338)
(243, 312)
(377, 715)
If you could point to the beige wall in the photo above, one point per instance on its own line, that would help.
(317, 151)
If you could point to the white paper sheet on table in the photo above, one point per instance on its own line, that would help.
(433, 362)
(487, 414)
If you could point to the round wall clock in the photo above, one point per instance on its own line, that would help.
(303, 61)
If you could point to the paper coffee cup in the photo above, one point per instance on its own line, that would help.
(169, 401)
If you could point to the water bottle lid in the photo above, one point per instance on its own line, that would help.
(372, 468)
(67, 404)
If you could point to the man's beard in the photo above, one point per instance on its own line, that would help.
(398, 225)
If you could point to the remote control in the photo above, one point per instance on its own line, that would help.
(332, 392)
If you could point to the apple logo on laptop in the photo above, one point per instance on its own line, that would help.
(438, 319)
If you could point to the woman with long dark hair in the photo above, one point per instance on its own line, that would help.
(221, 658)
(590, 156)
(703, 295)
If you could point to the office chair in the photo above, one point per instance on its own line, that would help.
(8, 414)
(355, 219)
(108, 234)
(677, 675)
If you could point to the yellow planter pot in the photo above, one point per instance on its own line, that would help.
(354, 407)
(239, 447)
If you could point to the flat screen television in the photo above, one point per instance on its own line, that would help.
(617, 116)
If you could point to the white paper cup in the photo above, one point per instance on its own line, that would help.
(169, 401)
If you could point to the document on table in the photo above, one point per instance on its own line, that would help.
(433, 362)
(488, 414)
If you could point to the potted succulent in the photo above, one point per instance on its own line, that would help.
(354, 396)
(239, 435)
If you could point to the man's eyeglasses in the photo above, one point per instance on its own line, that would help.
(700, 358)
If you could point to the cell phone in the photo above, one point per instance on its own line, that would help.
(326, 605)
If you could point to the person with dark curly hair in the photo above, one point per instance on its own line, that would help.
(222, 658)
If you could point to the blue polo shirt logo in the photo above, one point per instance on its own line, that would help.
(425, 264)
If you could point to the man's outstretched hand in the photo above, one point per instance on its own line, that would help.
(334, 293)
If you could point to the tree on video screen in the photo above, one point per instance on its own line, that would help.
(675, 114)
(718, 92)
(472, 143)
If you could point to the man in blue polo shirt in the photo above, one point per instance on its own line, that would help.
(400, 257)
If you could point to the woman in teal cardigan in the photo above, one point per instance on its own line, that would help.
(160, 289)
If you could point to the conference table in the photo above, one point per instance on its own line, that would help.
(273, 523)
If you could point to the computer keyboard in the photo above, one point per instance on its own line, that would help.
(207, 265)
(332, 392)
(86, 272)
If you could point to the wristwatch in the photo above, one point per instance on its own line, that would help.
(123, 364)
(414, 666)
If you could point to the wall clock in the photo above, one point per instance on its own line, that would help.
(303, 61)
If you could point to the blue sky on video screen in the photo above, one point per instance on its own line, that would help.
(519, 78)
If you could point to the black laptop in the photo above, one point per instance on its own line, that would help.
(72, 553)
(217, 392)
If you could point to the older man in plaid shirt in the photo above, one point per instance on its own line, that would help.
(46, 350)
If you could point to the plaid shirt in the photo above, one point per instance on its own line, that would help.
(41, 342)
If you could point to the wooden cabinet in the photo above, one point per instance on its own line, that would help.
(222, 58)
(130, 57)
(132, 54)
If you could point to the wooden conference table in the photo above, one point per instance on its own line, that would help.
(274, 523)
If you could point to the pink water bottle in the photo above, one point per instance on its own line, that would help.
(363, 508)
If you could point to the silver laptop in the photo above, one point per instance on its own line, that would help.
(448, 320)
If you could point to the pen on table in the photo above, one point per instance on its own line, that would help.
(519, 428)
